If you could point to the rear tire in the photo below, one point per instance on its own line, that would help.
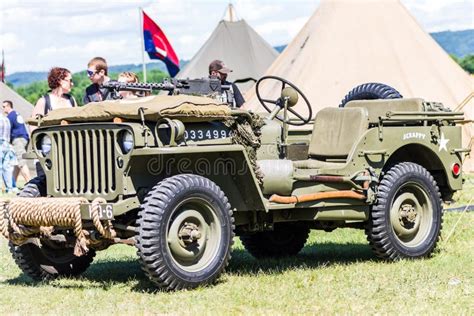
(371, 91)
(185, 232)
(407, 219)
(46, 260)
(286, 239)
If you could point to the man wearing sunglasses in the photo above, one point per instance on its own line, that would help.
(97, 71)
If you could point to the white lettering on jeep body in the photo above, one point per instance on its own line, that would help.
(414, 135)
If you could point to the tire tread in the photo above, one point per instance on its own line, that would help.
(377, 228)
(150, 219)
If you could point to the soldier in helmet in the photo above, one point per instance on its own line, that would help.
(218, 69)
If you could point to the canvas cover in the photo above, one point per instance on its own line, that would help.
(186, 108)
(239, 46)
(349, 42)
(19, 104)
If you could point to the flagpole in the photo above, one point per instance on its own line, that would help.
(3, 67)
(142, 39)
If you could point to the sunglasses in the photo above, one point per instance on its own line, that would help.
(90, 73)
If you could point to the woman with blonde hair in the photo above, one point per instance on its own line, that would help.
(127, 77)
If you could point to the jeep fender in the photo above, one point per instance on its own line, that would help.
(228, 166)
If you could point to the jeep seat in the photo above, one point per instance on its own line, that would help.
(335, 132)
(379, 108)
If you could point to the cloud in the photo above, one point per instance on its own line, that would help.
(11, 42)
(99, 23)
(262, 10)
(442, 15)
(281, 32)
(11, 16)
(128, 51)
(67, 9)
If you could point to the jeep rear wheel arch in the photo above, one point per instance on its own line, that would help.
(426, 158)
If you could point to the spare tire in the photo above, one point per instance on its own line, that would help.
(371, 91)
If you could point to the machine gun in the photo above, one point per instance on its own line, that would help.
(204, 87)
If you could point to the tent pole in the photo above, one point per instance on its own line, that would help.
(231, 13)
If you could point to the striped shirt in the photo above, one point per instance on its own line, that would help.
(7, 155)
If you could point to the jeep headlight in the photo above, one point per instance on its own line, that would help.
(45, 145)
(126, 141)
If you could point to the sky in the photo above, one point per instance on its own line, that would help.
(39, 34)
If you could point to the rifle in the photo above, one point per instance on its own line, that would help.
(203, 87)
(114, 87)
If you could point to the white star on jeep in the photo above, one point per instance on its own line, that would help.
(443, 142)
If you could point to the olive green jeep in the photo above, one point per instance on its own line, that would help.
(179, 176)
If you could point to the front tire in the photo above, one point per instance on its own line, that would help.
(46, 260)
(406, 221)
(286, 239)
(185, 232)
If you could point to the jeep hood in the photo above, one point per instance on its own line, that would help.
(184, 107)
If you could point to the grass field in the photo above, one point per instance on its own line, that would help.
(335, 273)
(465, 196)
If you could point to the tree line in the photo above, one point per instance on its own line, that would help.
(467, 63)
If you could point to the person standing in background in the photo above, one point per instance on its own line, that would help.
(19, 139)
(97, 71)
(7, 156)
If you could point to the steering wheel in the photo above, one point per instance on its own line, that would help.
(280, 102)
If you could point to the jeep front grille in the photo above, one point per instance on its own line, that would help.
(84, 161)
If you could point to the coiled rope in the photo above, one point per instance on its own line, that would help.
(23, 218)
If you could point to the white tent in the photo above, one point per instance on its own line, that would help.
(348, 42)
(19, 104)
(238, 45)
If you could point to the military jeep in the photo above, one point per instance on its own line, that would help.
(179, 176)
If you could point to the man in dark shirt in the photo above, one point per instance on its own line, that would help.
(97, 71)
(218, 69)
(19, 139)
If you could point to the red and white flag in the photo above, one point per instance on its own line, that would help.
(157, 45)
